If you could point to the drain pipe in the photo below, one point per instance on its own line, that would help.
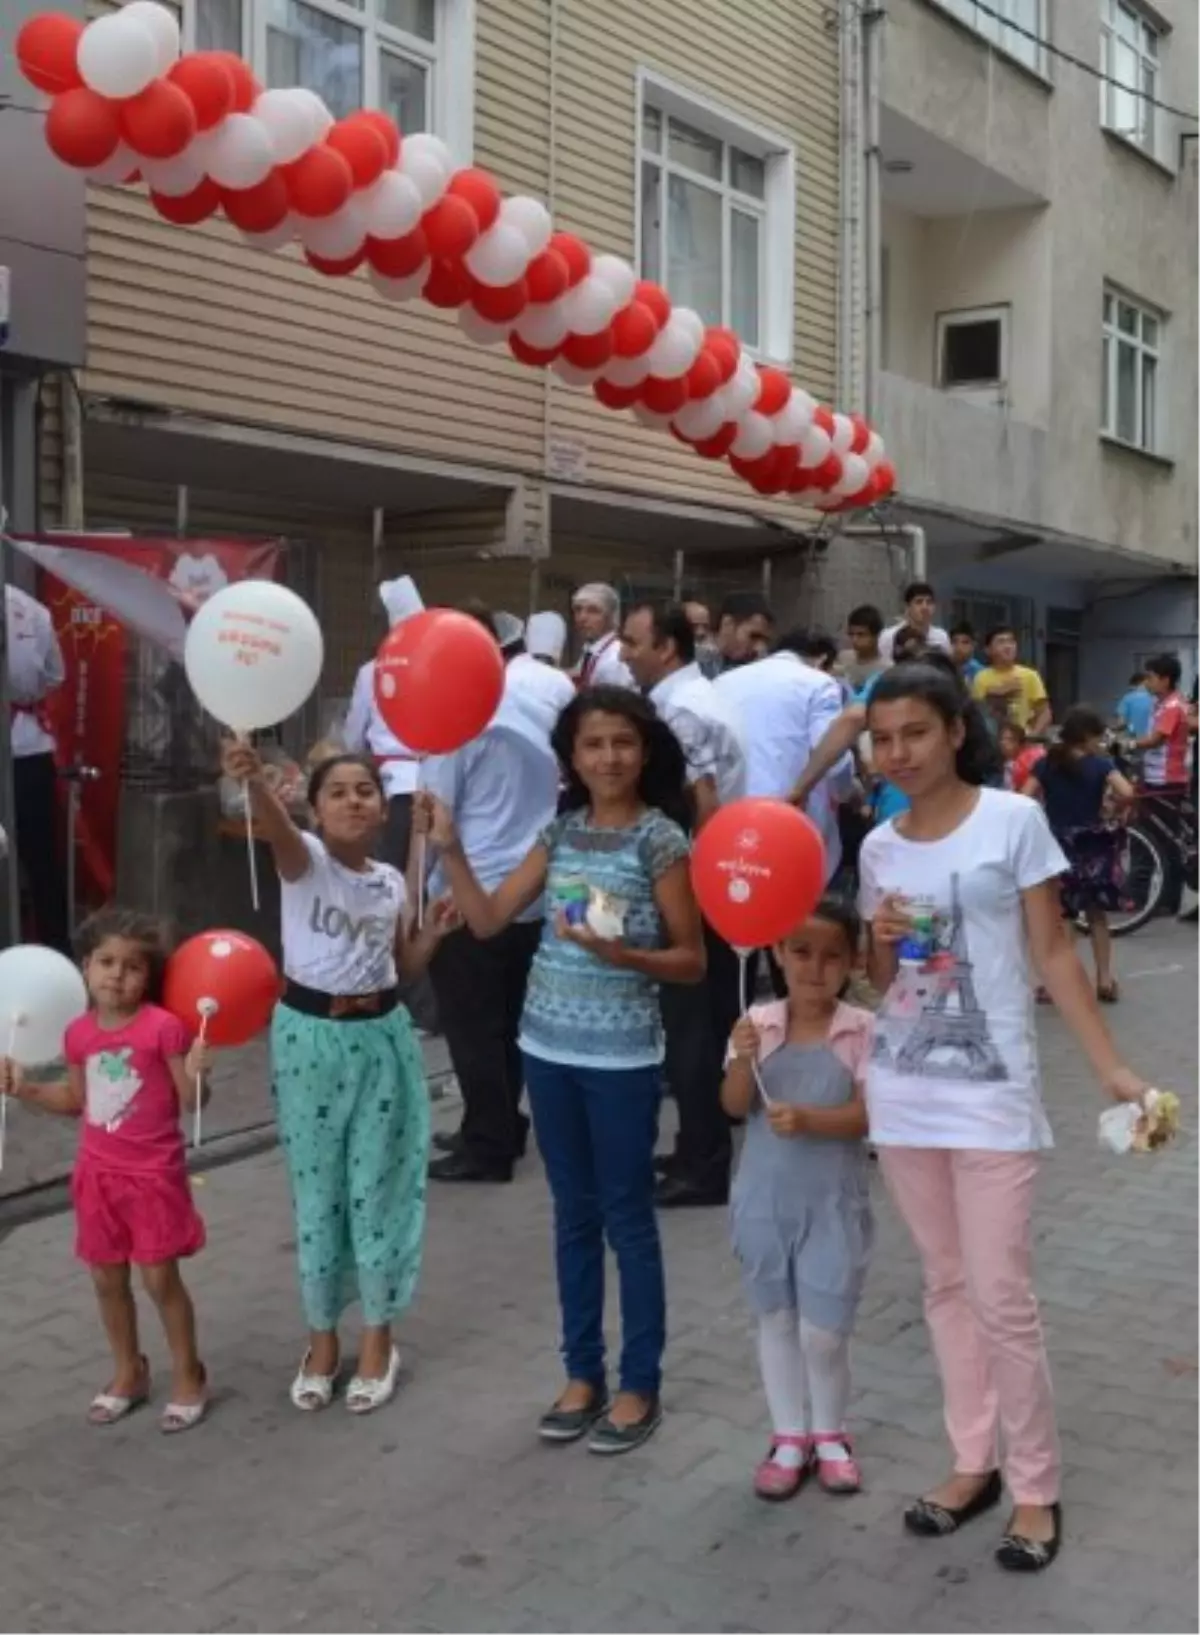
(872, 30)
(912, 534)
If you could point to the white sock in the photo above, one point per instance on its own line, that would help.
(827, 1364)
(782, 1364)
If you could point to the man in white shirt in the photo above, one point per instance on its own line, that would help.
(920, 606)
(659, 646)
(502, 788)
(35, 669)
(367, 733)
(543, 685)
(596, 610)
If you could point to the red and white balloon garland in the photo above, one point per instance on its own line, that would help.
(205, 137)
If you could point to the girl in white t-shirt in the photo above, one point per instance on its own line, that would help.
(959, 892)
(348, 1076)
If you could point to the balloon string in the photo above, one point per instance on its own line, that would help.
(12, 1045)
(743, 955)
(250, 853)
(198, 1110)
(421, 863)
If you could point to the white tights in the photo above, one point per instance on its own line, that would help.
(804, 1369)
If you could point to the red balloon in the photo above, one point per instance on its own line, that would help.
(664, 396)
(725, 348)
(438, 679)
(189, 208)
(883, 479)
(758, 871)
(448, 285)
(575, 253)
(233, 972)
(320, 182)
(479, 190)
(589, 351)
(704, 377)
(503, 305)
(46, 51)
(548, 276)
(634, 330)
(827, 473)
(653, 295)
(862, 434)
(398, 257)
(257, 209)
(205, 79)
(719, 444)
(617, 397)
(536, 356)
(82, 129)
(451, 227)
(774, 389)
(341, 268)
(159, 122)
(823, 417)
(362, 147)
(246, 89)
(381, 123)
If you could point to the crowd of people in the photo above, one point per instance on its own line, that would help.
(530, 895)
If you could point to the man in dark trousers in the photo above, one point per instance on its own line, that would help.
(35, 669)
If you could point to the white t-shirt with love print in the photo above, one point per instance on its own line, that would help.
(954, 1060)
(339, 925)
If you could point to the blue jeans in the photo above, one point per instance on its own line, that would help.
(596, 1129)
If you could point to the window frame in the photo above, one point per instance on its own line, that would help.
(1113, 337)
(776, 209)
(979, 23)
(449, 58)
(959, 317)
(1147, 26)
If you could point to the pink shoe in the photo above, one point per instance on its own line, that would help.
(837, 1475)
(776, 1482)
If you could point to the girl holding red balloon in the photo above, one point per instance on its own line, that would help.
(620, 918)
(348, 1076)
(131, 1067)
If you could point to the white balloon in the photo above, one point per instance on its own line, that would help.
(874, 451)
(544, 325)
(590, 306)
(322, 118)
(253, 654)
(742, 389)
(290, 121)
(238, 152)
(338, 236)
(122, 163)
(627, 371)
(674, 351)
(276, 238)
(431, 147)
(161, 26)
(700, 419)
(393, 205)
(794, 419)
(175, 177)
(754, 437)
(530, 218)
(855, 476)
(41, 994)
(480, 329)
(117, 56)
(619, 277)
(400, 289)
(426, 161)
(689, 323)
(571, 375)
(843, 434)
(814, 447)
(499, 256)
(648, 417)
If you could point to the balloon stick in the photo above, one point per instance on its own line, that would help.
(250, 849)
(17, 1019)
(420, 882)
(743, 955)
(207, 1008)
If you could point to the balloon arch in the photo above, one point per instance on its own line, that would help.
(205, 137)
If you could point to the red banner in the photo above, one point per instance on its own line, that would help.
(97, 606)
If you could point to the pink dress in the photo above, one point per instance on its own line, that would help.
(133, 1199)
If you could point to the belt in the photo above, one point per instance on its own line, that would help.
(340, 1007)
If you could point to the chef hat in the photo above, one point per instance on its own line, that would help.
(401, 598)
(509, 629)
(546, 636)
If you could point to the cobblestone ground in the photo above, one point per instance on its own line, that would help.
(444, 1513)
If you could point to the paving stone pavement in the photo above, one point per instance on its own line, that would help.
(444, 1514)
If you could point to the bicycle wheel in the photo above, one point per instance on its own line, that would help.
(1143, 885)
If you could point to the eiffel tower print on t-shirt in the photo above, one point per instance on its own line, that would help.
(949, 1037)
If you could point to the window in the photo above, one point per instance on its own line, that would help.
(716, 213)
(1129, 375)
(408, 57)
(973, 349)
(1016, 26)
(1129, 57)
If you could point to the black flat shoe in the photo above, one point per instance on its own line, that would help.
(569, 1424)
(929, 1520)
(678, 1191)
(458, 1166)
(607, 1438)
(1017, 1554)
(448, 1141)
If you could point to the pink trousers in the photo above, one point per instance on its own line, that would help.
(969, 1213)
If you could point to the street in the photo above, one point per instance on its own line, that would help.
(445, 1513)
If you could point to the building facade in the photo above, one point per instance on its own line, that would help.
(226, 390)
(1036, 289)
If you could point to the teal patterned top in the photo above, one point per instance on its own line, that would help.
(578, 1010)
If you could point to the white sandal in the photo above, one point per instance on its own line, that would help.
(363, 1396)
(106, 1408)
(185, 1416)
(311, 1392)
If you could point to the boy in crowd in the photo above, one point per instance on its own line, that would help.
(1010, 691)
(862, 659)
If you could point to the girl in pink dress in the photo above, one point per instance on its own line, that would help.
(131, 1068)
